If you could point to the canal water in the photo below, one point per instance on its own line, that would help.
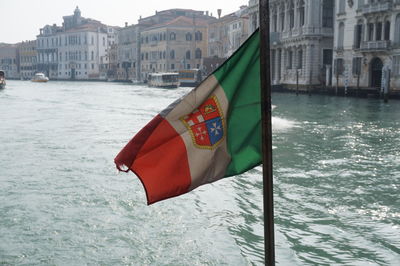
(62, 202)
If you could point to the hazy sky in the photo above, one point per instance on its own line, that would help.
(21, 19)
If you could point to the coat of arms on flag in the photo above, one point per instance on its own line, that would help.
(206, 124)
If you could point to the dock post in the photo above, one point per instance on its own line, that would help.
(297, 82)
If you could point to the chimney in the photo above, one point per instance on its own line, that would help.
(126, 24)
(219, 12)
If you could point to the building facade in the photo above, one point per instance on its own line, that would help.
(76, 50)
(173, 45)
(129, 53)
(226, 34)
(367, 44)
(9, 60)
(301, 40)
(27, 59)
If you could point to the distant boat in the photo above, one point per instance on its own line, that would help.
(2, 80)
(190, 77)
(40, 77)
(163, 80)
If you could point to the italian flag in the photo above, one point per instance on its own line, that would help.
(212, 132)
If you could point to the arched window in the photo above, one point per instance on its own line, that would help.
(188, 36)
(340, 36)
(187, 54)
(198, 53)
(172, 36)
(172, 54)
(198, 36)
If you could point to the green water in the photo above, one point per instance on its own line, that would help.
(336, 170)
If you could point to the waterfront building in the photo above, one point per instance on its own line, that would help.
(301, 40)
(226, 34)
(47, 50)
(129, 53)
(367, 43)
(177, 44)
(76, 50)
(9, 60)
(27, 56)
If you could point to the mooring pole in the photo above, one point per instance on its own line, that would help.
(265, 79)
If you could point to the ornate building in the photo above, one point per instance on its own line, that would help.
(367, 44)
(76, 50)
(173, 45)
(301, 40)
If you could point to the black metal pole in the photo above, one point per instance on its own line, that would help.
(265, 78)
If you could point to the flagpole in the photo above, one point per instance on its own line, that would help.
(265, 78)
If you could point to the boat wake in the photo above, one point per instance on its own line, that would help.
(281, 124)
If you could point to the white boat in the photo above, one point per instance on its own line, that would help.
(163, 80)
(40, 77)
(2, 80)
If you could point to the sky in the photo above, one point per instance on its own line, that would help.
(21, 20)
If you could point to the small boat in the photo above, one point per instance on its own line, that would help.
(40, 77)
(163, 80)
(2, 80)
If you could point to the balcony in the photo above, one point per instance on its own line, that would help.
(376, 7)
(373, 46)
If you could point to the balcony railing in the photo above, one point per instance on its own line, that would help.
(375, 46)
(376, 7)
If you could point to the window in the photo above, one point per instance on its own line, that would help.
(358, 35)
(327, 14)
(198, 36)
(387, 31)
(342, 6)
(339, 66)
(396, 65)
(327, 55)
(187, 55)
(172, 36)
(290, 59)
(370, 31)
(357, 65)
(397, 30)
(340, 36)
(291, 17)
(188, 36)
(302, 13)
(198, 53)
(300, 59)
(92, 55)
(379, 31)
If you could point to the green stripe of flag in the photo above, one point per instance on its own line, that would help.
(240, 79)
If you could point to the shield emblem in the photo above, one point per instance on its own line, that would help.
(206, 124)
